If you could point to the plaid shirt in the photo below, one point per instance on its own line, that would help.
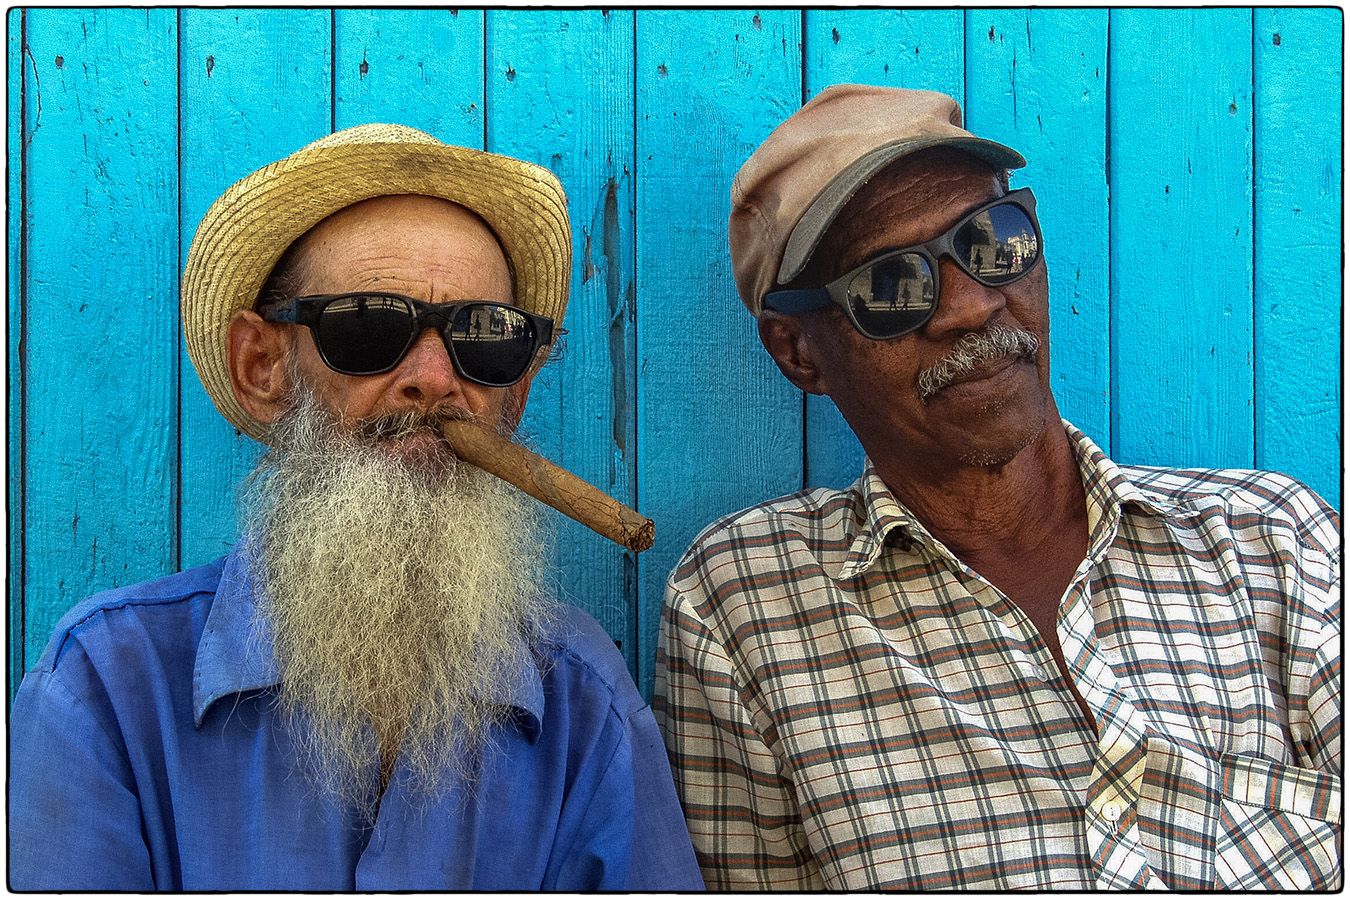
(847, 705)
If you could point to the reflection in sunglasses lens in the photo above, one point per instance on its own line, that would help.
(998, 244)
(360, 334)
(492, 343)
(365, 334)
(893, 295)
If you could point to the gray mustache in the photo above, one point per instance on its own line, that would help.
(972, 351)
(409, 422)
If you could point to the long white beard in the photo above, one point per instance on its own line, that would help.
(402, 595)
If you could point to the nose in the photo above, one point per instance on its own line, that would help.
(964, 305)
(426, 376)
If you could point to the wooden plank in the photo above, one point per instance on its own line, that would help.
(101, 226)
(1298, 249)
(256, 86)
(1037, 82)
(14, 198)
(1181, 236)
(560, 93)
(719, 428)
(420, 67)
(898, 48)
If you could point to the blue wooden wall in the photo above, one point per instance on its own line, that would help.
(1186, 163)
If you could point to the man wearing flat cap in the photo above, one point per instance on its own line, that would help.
(998, 660)
(373, 691)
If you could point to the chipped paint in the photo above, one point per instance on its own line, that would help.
(587, 265)
(37, 96)
(618, 313)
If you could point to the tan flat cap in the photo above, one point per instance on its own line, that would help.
(790, 189)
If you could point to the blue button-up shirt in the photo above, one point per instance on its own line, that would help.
(147, 753)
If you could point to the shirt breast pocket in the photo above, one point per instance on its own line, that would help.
(1231, 822)
(1279, 827)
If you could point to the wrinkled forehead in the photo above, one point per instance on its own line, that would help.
(430, 231)
(910, 202)
(926, 181)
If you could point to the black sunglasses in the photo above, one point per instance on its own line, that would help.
(897, 292)
(369, 333)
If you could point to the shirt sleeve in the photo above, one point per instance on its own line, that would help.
(74, 815)
(1315, 662)
(743, 818)
(631, 835)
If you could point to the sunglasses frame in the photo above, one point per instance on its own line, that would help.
(836, 292)
(308, 310)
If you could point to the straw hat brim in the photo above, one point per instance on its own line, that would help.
(246, 231)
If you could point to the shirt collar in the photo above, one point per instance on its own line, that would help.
(235, 654)
(1108, 490)
(876, 512)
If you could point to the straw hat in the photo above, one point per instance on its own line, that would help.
(248, 229)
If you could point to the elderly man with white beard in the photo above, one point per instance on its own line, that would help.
(373, 691)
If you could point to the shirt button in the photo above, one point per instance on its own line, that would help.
(1111, 811)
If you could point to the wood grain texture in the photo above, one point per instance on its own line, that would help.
(14, 199)
(422, 68)
(1037, 82)
(256, 86)
(1298, 244)
(100, 306)
(560, 94)
(719, 428)
(898, 48)
(1181, 236)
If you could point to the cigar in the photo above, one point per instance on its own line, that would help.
(550, 484)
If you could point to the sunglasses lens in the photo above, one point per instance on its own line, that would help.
(893, 295)
(997, 245)
(493, 344)
(360, 335)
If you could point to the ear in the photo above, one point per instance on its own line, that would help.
(257, 362)
(789, 345)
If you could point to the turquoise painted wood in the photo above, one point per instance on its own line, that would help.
(1298, 142)
(422, 68)
(1181, 236)
(100, 233)
(14, 198)
(718, 426)
(1187, 165)
(560, 93)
